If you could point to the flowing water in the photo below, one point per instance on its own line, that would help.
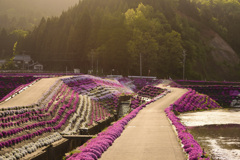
(217, 131)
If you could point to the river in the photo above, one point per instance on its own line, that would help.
(217, 131)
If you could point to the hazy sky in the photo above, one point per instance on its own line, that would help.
(45, 7)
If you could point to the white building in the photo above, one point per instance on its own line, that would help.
(38, 67)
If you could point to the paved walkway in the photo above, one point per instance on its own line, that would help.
(32, 94)
(149, 136)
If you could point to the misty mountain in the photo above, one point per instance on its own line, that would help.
(25, 14)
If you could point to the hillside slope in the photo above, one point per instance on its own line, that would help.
(109, 35)
(220, 59)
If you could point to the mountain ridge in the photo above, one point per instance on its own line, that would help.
(110, 34)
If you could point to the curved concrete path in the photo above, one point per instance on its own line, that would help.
(149, 136)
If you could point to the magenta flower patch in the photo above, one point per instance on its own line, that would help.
(190, 101)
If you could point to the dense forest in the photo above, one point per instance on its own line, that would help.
(111, 36)
(19, 17)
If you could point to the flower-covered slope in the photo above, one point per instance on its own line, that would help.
(148, 92)
(190, 101)
(59, 110)
(21, 125)
(137, 84)
(87, 114)
(223, 92)
(94, 148)
(71, 104)
(105, 92)
(11, 83)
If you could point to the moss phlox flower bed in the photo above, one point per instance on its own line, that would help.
(94, 148)
(190, 101)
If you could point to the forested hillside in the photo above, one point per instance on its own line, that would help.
(17, 17)
(113, 34)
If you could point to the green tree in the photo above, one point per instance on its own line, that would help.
(143, 41)
(170, 54)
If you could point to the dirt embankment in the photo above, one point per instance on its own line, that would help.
(222, 52)
(222, 61)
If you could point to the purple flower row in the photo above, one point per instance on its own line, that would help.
(12, 141)
(43, 123)
(61, 110)
(104, 91)
(190, 145)
(147, 91)
(188, 102)
(150, 91)
(192, 101)
(86, 82)
(31, 114)
(54, 99)
(223, 92)
(35, 114)
(18, 116)
(67, 115)
(138, 83)
(94, 148)
(98, 113)
(135, 101)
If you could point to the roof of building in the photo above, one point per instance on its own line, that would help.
(23, 57)
(2, 61)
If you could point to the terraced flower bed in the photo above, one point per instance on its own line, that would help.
(69, 106)
(148, 92)
(135, 102)
(21, 128)
(137, 84)
(105, 92)
(88, 113)
(95, 147)
(24, 129)
(193, 101)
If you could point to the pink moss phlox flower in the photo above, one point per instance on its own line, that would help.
(188, 102)
(95, 147)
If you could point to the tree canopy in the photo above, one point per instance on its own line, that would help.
(110, 34)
